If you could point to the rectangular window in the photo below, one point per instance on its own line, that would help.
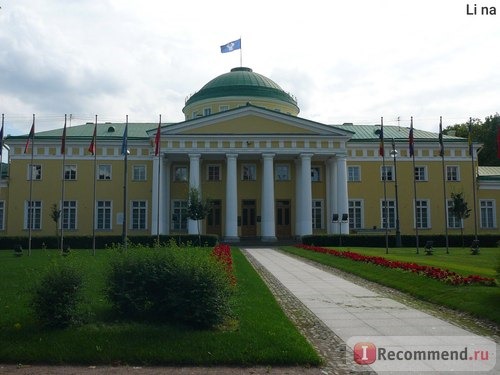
(207, 111)
(68, 215)
(487, 208)
(179, 215)
(70, 172)
(33, 214)
(223, 108)
(391, 214)
(34, 172)
(453, 221)
(355, 214)
(420, 173)
(2, 215)
(249, 172)
(423, 214)
(180, 173)
(104, 172)
(139, 214)
(104, 210)
(282, 172)
(317, 214)
(452, 173)
(386, 173)
(139, 173)
(354, 174)
(213, 172)
(315, 174)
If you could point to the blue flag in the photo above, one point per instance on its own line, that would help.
(124, 142)
(231, 46)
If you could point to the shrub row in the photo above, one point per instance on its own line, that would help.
(85, 242)
(378, 240)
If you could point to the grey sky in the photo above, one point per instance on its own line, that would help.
(345, 61)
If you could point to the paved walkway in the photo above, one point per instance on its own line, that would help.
(350, 310)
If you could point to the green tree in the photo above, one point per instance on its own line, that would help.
(55, 215)
(197, 209)
(460, 210)
(484, 133)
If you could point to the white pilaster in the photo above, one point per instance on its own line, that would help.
(165, 198)
(268, 224)
(194, 182)
(342, 195)
(298, 195)
(231, 224)
(331, 197)
(306, 195)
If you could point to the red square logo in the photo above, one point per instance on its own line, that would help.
(365, 353)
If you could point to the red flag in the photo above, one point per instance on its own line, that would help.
(30, 136)
(93, 142)
(381, 137)
(158, 139)
(63, 139)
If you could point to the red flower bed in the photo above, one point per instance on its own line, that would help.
(222, 252)
(440, 274)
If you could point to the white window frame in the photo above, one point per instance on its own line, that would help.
(318, 214)
(69, 215)
(104, 172)
(316, 173)
(139, 172)
(488, 206)
(356, 213)
(223, 108)
(282, 172)
(427, 210)
(421, 176)
(104, 208)
(391, 213)
(36, 223)
(139, 214)
(354, 173)
(453, 221)
(387, 170)
(211, 176)
(207, 111)
(34, 170)
(450, 173)
(70, 172)
(183, 177)
(251, 175)
(179, 215)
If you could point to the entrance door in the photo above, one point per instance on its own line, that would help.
(248, 227)
(214, 218)
(283, 228)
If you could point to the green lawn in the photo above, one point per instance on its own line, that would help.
(262, 335)
(480, 301)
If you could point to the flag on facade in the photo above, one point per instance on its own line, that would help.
(441, 144)
(125, 140)
(411, 141)
(231, 46)
(93, 141)
(31, 135)
(63, 138)
(469, 138)
(158, 139)
(381, 137)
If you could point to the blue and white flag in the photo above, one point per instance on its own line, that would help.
(231, 46)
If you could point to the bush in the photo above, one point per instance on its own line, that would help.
(56, 298)
(176, 285)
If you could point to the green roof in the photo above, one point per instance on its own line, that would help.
(241, 82)
(488, 173)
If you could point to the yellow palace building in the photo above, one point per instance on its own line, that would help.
(270, 174)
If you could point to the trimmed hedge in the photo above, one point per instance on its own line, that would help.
(378, 240)
(101, 242)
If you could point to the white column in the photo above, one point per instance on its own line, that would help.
(298, 196)
(306, 195)
(165, 198)
(268, 223)
(331, 198)
(194, 182)
(342, 196)
(231, 223)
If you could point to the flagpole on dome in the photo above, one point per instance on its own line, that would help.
(445, 202)
(61, 212)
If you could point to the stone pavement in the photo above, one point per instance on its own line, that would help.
(350, 310)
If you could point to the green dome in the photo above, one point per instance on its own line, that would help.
(241, 82)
